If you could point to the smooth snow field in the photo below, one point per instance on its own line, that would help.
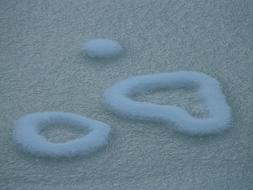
(43, 69)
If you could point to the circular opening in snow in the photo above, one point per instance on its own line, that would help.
(28, 134)
(102, 48)
(61, 132)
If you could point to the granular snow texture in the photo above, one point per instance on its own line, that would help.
(42, 69)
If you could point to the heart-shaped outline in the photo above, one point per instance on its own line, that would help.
(118, 100)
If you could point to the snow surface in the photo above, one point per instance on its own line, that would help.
(117, 99)
(28, 128)
(41, 69)
(102, 48)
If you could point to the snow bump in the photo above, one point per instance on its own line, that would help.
(102, 48)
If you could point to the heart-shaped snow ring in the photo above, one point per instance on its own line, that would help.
(219, 116)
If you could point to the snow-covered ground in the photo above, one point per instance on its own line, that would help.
(42, 69)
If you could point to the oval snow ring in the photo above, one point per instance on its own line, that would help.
(117, 98)
(102, 48)
(28, 127)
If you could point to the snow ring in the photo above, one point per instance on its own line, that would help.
(219, 115)
(102, 48)
(28, 127)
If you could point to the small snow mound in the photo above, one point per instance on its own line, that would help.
(102, 48)
(27, 134)
(117, 98)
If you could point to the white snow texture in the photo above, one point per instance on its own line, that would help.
(118, 100)
(102, 48)
(28, 127)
